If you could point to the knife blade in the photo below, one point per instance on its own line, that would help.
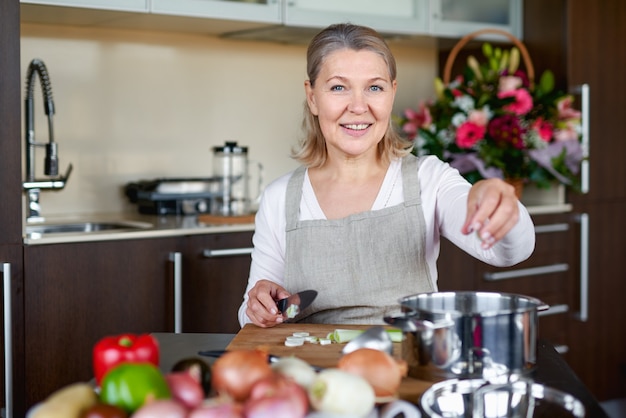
(291, 306)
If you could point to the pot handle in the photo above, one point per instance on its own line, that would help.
(409, 323)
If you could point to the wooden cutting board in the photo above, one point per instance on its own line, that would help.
(207, 218)
(273, 341)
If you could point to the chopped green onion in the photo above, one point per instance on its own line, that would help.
(345, 335)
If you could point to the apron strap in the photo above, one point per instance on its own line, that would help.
(294, 196)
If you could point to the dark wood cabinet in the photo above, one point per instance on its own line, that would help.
(580, 42)
(77, 293)
(215, 274)
(12, 319)
(11, 201)
(583, 42)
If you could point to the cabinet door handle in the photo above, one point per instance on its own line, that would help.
(8, 341)
(543, 229)
(583, 90)
(176, 258)
(208, 253)
(531, 271)
(583, 314)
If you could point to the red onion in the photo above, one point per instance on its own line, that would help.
(185, 389)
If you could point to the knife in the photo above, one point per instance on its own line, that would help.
(291, 306)
(271, 358)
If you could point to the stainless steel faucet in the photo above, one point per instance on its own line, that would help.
(32, 186)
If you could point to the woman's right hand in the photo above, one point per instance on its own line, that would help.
(262, 298)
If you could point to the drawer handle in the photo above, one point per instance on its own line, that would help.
(554, 310)
(531, 271)
(583, 314)
(226, 252)
(177, 258)
(561, 348)
(5, 268)
(542, 229)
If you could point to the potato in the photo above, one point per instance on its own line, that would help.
(68, 402)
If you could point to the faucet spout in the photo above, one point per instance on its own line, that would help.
(31, 185)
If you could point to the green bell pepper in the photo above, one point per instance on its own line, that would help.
(130, 385)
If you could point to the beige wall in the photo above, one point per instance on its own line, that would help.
(136, 105)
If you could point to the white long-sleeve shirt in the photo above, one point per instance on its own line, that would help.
(444, 204)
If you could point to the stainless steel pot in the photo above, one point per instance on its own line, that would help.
(468, 334)
(477, 398)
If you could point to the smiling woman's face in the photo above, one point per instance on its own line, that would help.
(353, 99)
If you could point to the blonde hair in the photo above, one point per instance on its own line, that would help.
(312, 151)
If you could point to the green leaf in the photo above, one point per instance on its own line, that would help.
(546, 82)
(487, 50)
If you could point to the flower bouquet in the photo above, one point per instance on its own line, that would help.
(493, 120)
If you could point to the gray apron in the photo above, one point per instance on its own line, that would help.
(362, 264)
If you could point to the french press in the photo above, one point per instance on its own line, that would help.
(230, 170)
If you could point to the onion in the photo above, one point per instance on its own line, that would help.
(161, 408)
(218, 408)
(382, 371)
(277, 396)
(235, 372)
(274, 407)
(298, 369)
(185, 389)
(198, 369)
(336, 391)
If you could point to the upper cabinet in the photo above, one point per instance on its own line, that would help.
(290, 21)
(392, 16)
(117, 5)
(264, 11)
(455, 18)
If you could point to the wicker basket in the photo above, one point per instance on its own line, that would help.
(528, 63)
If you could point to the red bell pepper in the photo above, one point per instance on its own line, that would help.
(124, 348)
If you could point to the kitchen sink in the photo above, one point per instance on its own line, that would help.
(47, 229)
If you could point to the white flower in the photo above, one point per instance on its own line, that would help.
(465, 103)
(458, 119)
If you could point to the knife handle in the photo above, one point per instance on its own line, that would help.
(281, 305)
(212, 353)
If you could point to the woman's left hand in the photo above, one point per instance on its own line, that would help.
(492, 210)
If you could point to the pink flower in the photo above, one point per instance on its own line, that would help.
(566, 133)
(416, 119)
(543, 128)
(523, 101)
(469, 134)
(509, 82)
(478, 117)
(564, 107)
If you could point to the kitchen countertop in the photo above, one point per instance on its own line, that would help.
(157, 226)
(551, 369)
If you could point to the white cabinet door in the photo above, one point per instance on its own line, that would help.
(455, 18)
(117, 5)
(390, 16)
(261, 11)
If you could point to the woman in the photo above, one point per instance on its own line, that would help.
(360, 221)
